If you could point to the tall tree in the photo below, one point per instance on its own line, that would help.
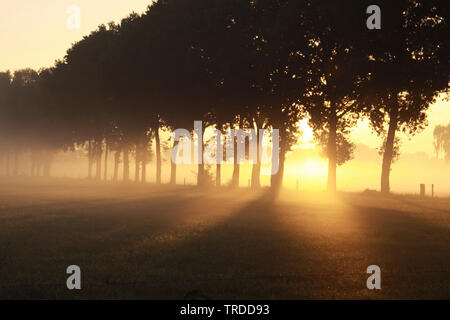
(408, 61)
(89, 67)
(5, 91)
(340, 63)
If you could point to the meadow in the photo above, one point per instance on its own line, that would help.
(160, 242)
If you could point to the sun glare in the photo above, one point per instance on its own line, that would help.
(306, 140)
(313, 168)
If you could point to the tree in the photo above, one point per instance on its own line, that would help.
(408, 69)
(89, 69)
(185, 82)
(258, 56)
(285, 55)
(21, 112)
(5, 90)
(136, 115)
(334, 103)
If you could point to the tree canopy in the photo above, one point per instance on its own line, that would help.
(255, 64)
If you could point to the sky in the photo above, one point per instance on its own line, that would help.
(34, 33)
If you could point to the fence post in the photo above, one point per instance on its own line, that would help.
(422, 190)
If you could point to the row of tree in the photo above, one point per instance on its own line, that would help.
(258, 64)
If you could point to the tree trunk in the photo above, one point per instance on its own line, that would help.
(218, 174)
(90, 159)
(98, 158)
(276, 180)
(106, 161)
(332, 156)
(200, 174)
(389, 150)
(158, 154)
(236, 167)
(144, 166)
(201, 177)
(256, 168)
(116, 165)
(137, 164)
(219, 161)
(126, 164)
(173, 166)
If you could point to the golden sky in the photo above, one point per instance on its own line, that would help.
(34, 33)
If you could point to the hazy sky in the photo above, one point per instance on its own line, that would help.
(34, 33)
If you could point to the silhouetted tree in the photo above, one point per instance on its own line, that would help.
(340, 62)
(250, 64)
(20, 112)
(89, 72)
(408, 68)
(5, 91)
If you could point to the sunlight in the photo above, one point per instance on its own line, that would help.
(307, 174)
(306, 140)
(313, 168)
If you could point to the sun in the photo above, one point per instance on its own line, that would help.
(307, 174)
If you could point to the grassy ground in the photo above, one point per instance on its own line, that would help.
(136, 242)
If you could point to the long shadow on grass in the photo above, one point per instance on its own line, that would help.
(38, 252)
(413, 253)
(255, 254)
(249, 255)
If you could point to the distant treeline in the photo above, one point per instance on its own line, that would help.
(441, 135)
(231, 63)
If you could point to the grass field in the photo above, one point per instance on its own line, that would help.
(148, 242)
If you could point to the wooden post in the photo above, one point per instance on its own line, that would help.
(184, 181)
(432, 190)
(422, 190)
